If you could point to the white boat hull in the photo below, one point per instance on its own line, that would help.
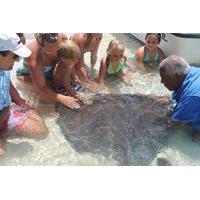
(188, 48)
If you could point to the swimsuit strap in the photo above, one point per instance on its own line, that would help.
(118, 68)
(156, 56)
(147, 57)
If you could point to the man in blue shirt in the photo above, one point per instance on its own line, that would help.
(184, 80)
(19, 118)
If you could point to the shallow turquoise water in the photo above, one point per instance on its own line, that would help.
(125, 125)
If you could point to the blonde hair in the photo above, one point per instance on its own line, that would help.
(115, 45)
(69, 50)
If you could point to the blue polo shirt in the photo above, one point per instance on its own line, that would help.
(5, 98)
(187, 98)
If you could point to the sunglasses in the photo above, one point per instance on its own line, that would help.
(49, 37)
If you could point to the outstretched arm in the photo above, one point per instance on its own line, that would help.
(125, 58)
(187, 111)
(93, 58)
(45, 91)
(17, 99)
(81, 72)
(102, 70)
(80, 40)
(67, 80)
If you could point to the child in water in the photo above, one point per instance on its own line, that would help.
(150, 53)
(64, 72)
(17, 117)
(114, 61)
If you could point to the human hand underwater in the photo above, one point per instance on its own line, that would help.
(70, 102)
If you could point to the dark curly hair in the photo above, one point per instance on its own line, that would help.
(46, 37)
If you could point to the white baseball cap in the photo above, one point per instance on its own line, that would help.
(11, 42)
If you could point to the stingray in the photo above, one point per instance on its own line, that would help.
(128, 128)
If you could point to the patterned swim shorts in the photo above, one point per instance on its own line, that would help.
(16, 119)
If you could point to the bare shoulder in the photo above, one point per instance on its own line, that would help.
(63, 36)
(33, 46)
(140, 54)
(34, 58)
(79, 38)
(140, 50)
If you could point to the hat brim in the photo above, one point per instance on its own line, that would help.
(22, 51)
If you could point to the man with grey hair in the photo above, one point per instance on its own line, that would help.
(184, 80)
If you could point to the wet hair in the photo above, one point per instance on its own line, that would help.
(4, 53)
(175, 64)
(115, 44)
(157, 34)
(22, 37)
(69, 50)
(20, 34)
(46, 37)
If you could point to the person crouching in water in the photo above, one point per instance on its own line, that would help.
(17, 118)
(38, 68)
(64, 71)
(150, 54)
(87, 42)
(114, 61)
(183, 79)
